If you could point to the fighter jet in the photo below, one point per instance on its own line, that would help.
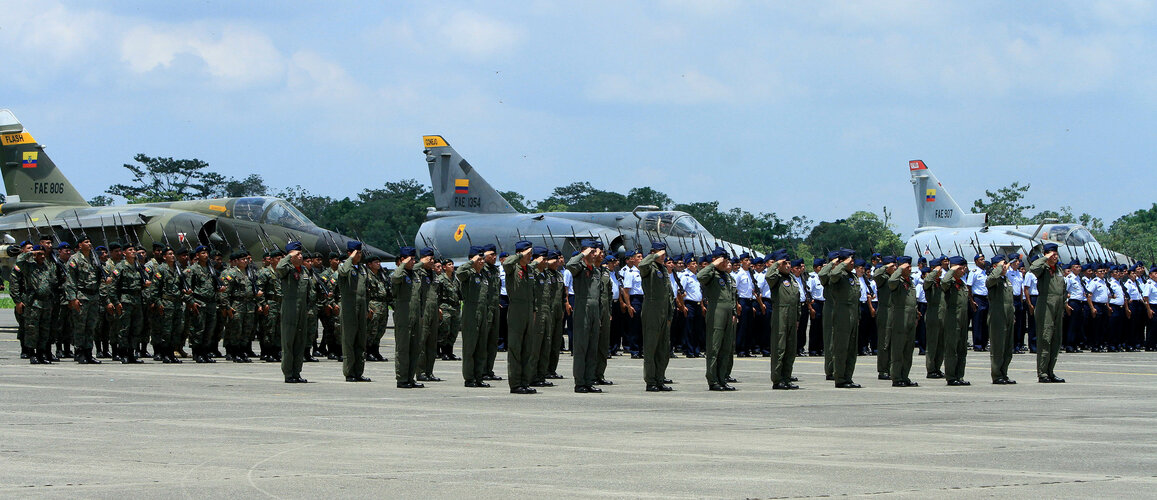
(945, 229)
(470, 212)
(40, 200)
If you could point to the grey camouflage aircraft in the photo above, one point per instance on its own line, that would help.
(470, 212)
(40, 200)
(945, 229)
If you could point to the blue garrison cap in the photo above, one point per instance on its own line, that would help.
(587, 243)
(25, 242)
(689, 258)
(903, 259)
(942, 258)
(352, 245)
(978, 257)
(407, 252)
(717, 253)
(925, 270)
(658, 245)
(998, 258)
(489, 247)
(553, 254)
(797, 262)
(817, 262)
(888, 260)
(757, 260)
(538, 251)
(37, 248)
(1014, 256)
(63, 245)
(833, 254)
(744, 255)
(608, 259)
(474, 250)
(426, 252)
(101, 248)
(957, 260)
(1049, 247)
(1153, 269)
(859, 262)
(203, 248)
(522, 245)
(576, 252)
(289, 247)
(876, 255)
(846, 252)
(1139, 263)
(503, 255)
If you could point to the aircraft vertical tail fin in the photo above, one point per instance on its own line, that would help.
(457, 186)
(934, 206)
(28, 171)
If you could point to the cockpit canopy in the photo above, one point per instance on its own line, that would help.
(680, 224)
(271, 211)
(1069, 234)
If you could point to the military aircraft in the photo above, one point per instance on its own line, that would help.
(40, 200)
(945, 229)
(470, 212)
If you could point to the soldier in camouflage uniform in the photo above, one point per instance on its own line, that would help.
(241, 304)
(378, 295)
(202, 306)
(129, 284)
(37, 304)
(17, 291)
(169, 301)
(312, 300)
(270, 303)
(330, 312)
(108, 301)
(82, 291)
(150, 267)
(182, 320)
(449, 300)
(61, 334)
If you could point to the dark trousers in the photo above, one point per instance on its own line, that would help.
(980, 321)
(695, 329)
(634, 334)
(503, 320)
(1137, 323)
(743, 333)
(1075, 327)
(1151, 334)
(678, 330)
(867, 327)
(1115, 334)
(618, 327)
(1019, 321)
(1096, 326)
(568, 319)
(815, 343)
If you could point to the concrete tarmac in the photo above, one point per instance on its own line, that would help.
(236, 430)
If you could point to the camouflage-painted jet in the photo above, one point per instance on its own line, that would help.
(41, 200)
(470, 212)
(945, 229)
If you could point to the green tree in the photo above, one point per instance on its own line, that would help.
(864, 232)
(253, 185)
(100, 200)
(1134, 234)
(516, 200)
(1004, 206)
(583, 197)
(649, 196)
(158, 179)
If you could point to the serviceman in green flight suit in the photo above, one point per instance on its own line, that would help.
(903, 316)
(721, 318)
(450, 308)
(587, 317)
(520, 318)
(544, 307)
(351, 280)
(956, 300)
(829, 323)
(378, 295)
(475, 285)
(295, 283)
(407, 315)
(934, 319)
(845, 292)
(883, 326)
(658, 305)
(785, 313)
(1000, 319)
(1050, 310)
(431, 316)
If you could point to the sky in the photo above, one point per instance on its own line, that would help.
(797, 108)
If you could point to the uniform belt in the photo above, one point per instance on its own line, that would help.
(633, 295)
(171, 298)
(692, 302)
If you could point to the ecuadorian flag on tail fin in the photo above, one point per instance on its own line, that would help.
(929, 195)
(29, 159)
(461, 186)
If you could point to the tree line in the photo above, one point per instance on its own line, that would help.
(391, 214)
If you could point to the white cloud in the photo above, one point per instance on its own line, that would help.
(236, 57)
(477, 35)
